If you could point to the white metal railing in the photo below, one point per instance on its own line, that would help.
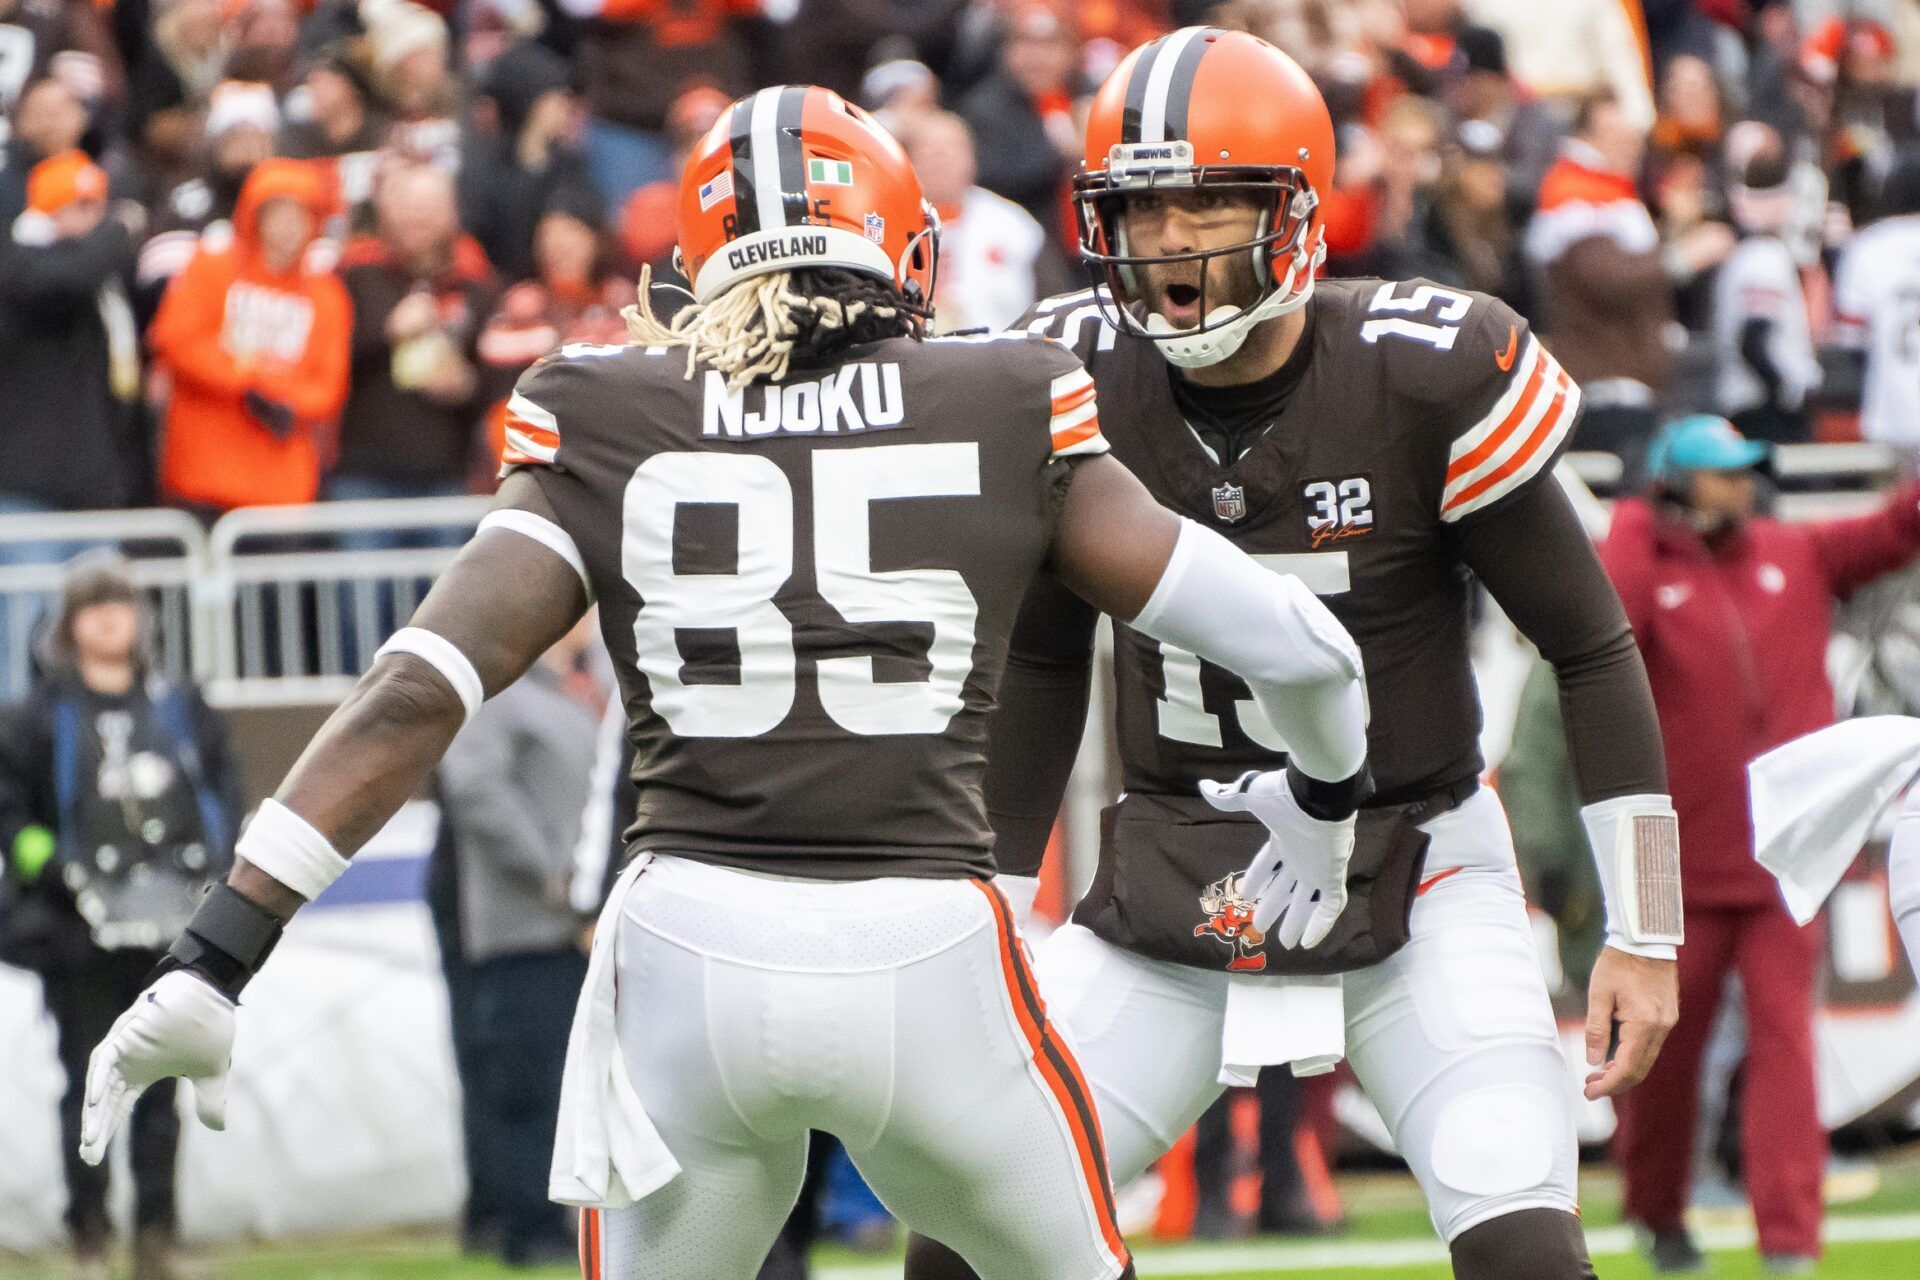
(166, 553)
(299, 598)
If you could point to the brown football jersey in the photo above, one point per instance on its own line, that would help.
(1418, 410)
(808, 586)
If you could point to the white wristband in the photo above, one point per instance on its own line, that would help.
(1636, 849)
(443, 656)
(284, 845)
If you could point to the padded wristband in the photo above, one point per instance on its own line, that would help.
(1330, 801)
(443, 656)
(229, 937)
(1636, 849)
(284, 845)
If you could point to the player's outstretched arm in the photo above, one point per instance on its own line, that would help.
(503, 602)
(1188, 587)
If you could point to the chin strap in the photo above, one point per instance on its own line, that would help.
(1224, 329)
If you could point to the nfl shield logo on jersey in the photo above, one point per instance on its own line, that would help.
(1230, 502)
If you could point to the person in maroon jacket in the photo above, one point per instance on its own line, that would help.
(1731, 613)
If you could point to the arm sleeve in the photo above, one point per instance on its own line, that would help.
(1852, 553)
(186, 331)
(1034, 733)
(1535, 559)
(67, 275)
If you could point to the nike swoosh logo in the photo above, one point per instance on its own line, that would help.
(1505, 358)
(1435, 879)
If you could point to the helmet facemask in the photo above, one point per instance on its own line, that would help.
(1283, 253)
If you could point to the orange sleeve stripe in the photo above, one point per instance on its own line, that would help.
(1549, 425)
(1073, 400)
(1076, 435)
(1464, 464)
(539, 435)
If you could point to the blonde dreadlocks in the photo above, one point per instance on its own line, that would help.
(763, 326)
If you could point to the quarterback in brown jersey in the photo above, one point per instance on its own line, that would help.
(808, 528)
(1387, 443)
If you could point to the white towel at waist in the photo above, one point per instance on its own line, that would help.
(1815, 799)
(1270, 1020)
(606, 1153)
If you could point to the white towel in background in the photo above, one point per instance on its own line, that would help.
(606, 1153)
(1270, 1020)
(1815, 800)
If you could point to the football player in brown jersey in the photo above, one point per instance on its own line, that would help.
(1387, 442)
(808, 528)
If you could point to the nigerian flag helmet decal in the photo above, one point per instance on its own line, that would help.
(833, 173)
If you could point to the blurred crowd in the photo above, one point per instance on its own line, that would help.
(269, 251)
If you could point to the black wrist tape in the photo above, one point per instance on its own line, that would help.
(229, 937)
(1330, 801)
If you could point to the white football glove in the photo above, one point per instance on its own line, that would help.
(1302, 870)
(179, 1026)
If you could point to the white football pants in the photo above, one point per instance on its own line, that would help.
(898, 1015)
(1452, 1037)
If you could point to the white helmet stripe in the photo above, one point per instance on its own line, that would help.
(765, 134)
(1166, 60)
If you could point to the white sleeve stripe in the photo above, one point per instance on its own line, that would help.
(543, 531)
(1515, 441)
(1074, 417)
(533, 413)
(1543, 452)
(519, 442)
(443, 656)
(1068, 383)
(1482, 430)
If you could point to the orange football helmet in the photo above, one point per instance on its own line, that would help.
(1203, 106)
(796, 176)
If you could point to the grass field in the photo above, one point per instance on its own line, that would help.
(1873, 1232)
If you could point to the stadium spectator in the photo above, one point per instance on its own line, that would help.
(1476, 216)
(253, 344)
(48, 120)
(651, 217)
(1022, 115)
(514, 785)
(1590, 48)
(1877, 294)
(1731, 612)
(530, 156)
(336, 111)
(1486, 91)
(636, 59)
(176, 68)
(575, 295)
(69, 359)
(898, 91)
(35, 33)
(992, 252)
(1767, 366)
(117, 809)
(414, 76)
(421, 291)
(1607, 286)
(242, 120)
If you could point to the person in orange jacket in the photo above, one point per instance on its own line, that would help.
(255, 344)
